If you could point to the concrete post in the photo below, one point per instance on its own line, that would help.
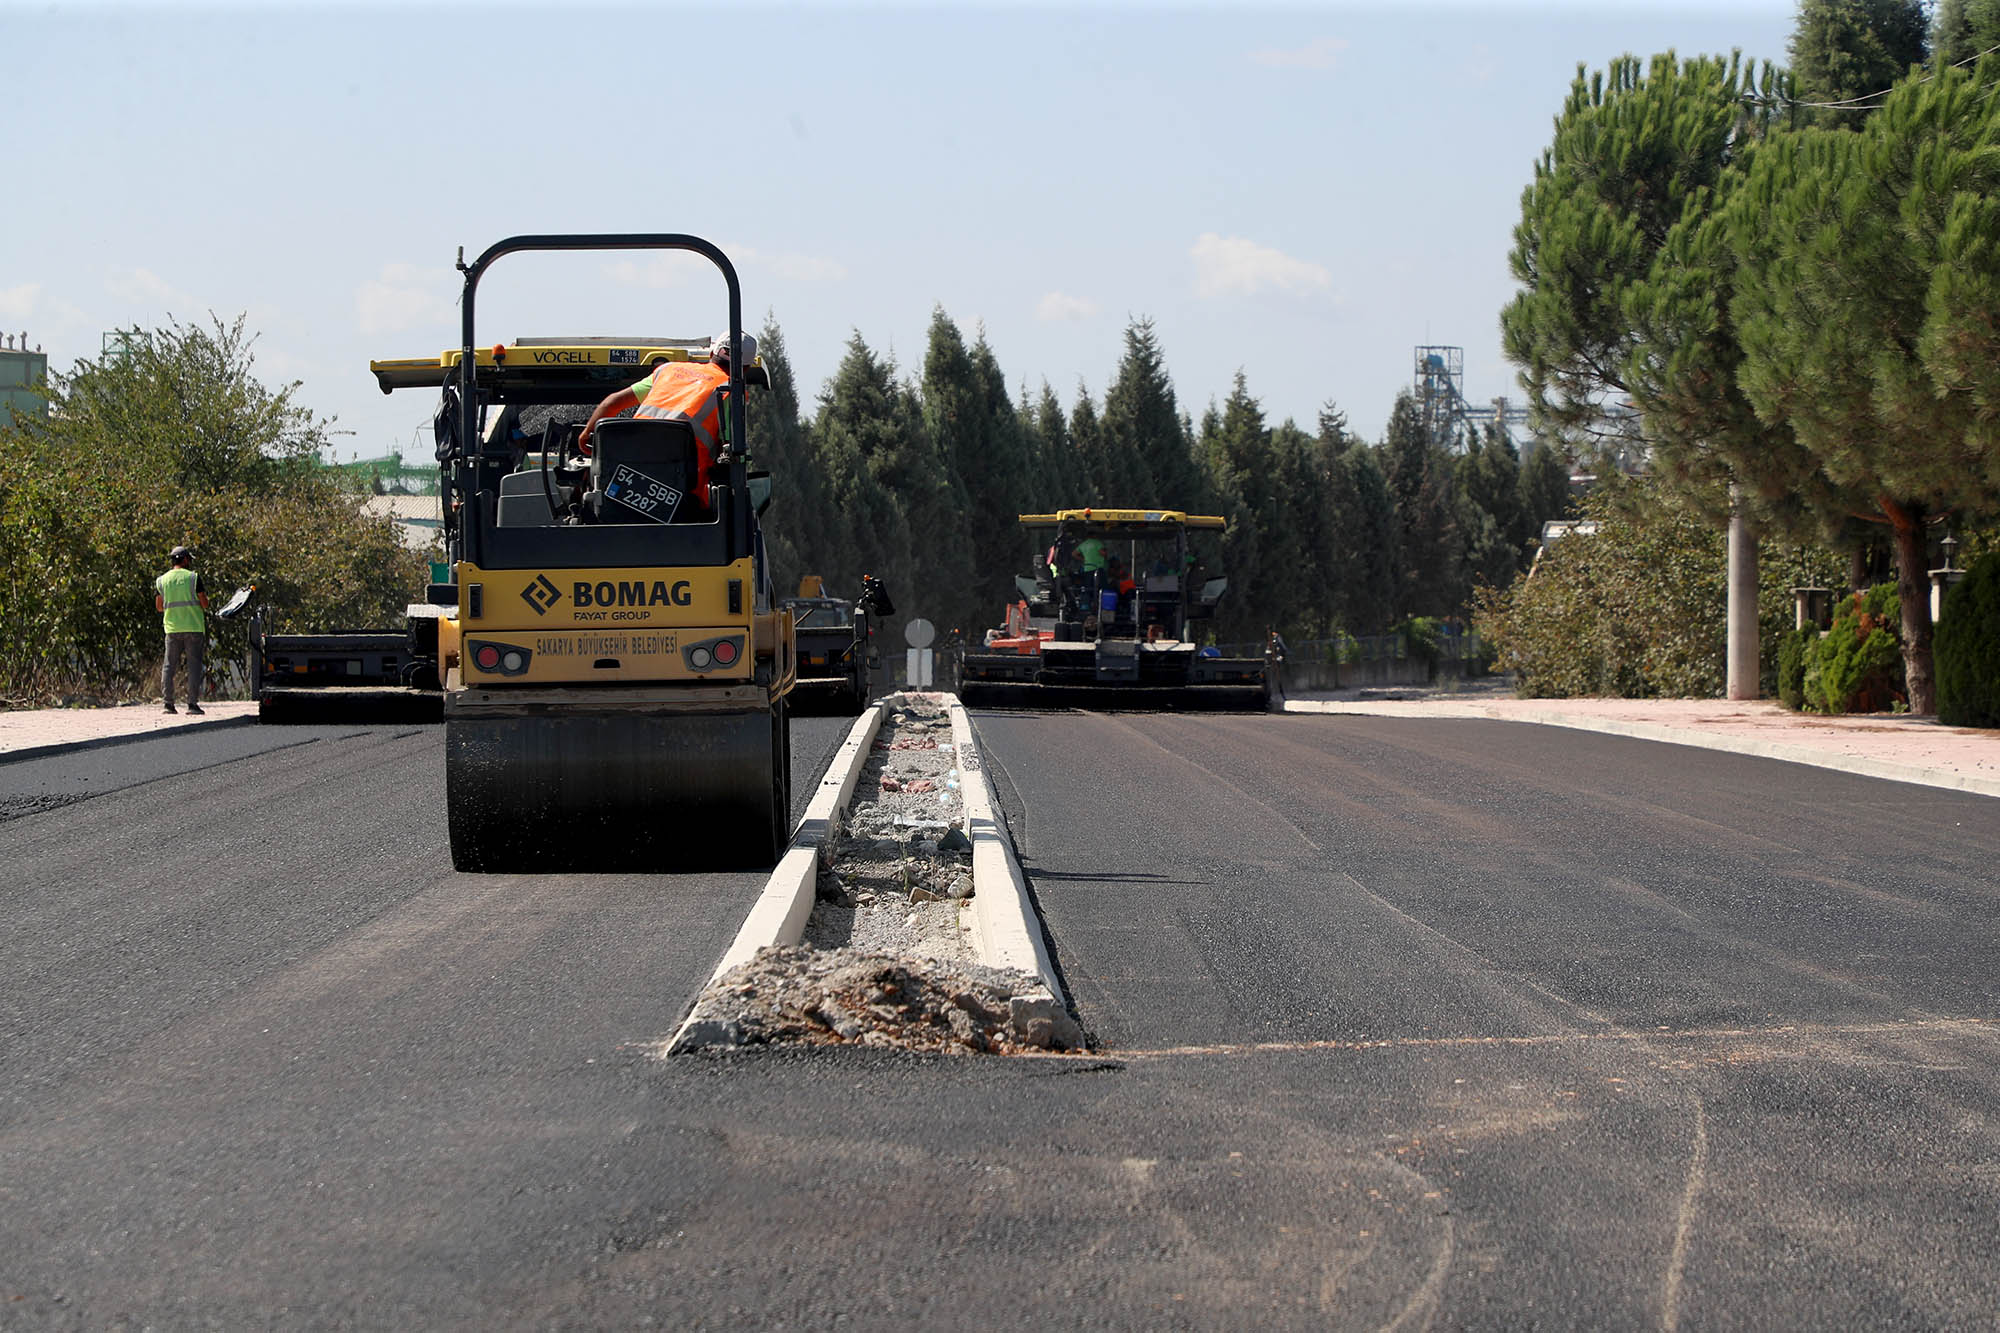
(1742, 658)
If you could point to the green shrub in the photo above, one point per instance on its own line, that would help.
(1857, 665)
(177, 444)
(1967, 648)
(1780, 568)
(1420, 640)
(1794, 647)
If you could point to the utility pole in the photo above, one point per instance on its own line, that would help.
(1742, 673)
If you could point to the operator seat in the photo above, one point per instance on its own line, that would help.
(644, 470)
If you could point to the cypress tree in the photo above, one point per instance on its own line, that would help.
(1146, 440)
(1963, 30)
(1372, 567)
(1489, 512)
(1237, 449)
(1544, 494)
(1086, 433)
(869, 439)
(1951, 34)
(971, 417)
(1847, 50)
(1291, 542)
(1063, 472)
(1418, 474)
(798, 517)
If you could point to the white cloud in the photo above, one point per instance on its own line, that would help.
(406, 296)
(1481, 66)
(142, 286)
(1321, 53)
(1236, 266)
(674, 268)
(29, 309)
(793, 266)
(1058, 307)
(669, 268)
(19, 302)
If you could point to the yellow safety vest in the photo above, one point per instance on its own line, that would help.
(180, 610)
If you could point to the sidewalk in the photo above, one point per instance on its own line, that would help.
(1898, 747)
(33, 731)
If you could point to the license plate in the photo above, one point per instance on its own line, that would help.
(642, 494)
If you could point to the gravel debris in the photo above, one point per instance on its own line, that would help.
(886, 958)
(804, 996)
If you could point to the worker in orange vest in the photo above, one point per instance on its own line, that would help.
(680, 391)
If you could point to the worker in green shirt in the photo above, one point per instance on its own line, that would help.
(183, 608)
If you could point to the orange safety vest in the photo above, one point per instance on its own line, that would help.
(686, 391)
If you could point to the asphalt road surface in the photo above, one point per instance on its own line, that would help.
(1401, 1024)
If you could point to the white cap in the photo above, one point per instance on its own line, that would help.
(719, 349)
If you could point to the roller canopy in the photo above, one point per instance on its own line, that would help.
(551, 370)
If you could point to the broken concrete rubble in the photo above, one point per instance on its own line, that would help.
(892, 915)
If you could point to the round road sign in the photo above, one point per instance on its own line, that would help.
(919, 633)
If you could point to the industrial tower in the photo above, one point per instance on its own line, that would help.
(1441, 401)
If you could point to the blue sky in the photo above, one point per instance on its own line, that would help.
(1302, 192)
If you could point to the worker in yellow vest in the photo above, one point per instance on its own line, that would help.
(680, 391)
(183, 607)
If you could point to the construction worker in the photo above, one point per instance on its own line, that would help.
(183, 608)
(680, 391)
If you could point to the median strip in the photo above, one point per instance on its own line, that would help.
(899, 917)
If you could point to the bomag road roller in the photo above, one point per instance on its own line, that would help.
(1107, 620)
(615, 668)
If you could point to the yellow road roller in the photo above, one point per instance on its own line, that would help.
(615, 667)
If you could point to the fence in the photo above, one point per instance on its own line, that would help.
(1359, 661)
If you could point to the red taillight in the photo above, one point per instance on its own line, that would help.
(725, 652)
(488, 657)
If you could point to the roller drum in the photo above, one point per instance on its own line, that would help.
(623, 790)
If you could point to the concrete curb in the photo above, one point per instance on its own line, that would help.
(121, 738)
(1860, 765)
(779, 915)
(1006, 932)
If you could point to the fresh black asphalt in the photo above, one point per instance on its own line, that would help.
(1401, 1023)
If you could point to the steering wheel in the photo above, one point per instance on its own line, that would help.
(558, 439)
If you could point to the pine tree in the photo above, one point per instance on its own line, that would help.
(1865, 302)
(1635, 149)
